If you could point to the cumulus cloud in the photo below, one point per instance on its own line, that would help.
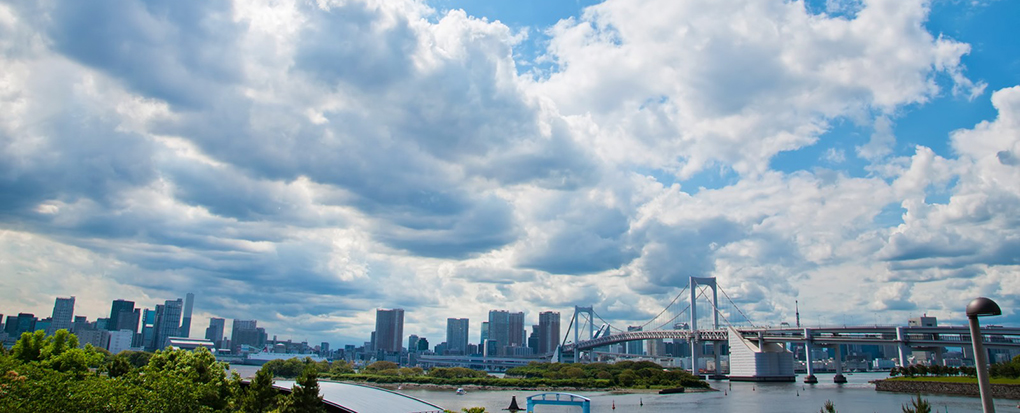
(304, 163)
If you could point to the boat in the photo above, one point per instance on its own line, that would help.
(460, 391)
(263, 357)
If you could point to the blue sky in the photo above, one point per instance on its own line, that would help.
(304, 164)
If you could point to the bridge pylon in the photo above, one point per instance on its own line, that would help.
(577, 330)
(694, 283)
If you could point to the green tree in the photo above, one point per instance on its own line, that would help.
(260, 396)
(304, 396)
(829, 407)
(380, 366)
(340, 367)
(917, 405)
(29, 347)
(118, 367)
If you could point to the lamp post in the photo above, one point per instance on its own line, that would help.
(981, 306)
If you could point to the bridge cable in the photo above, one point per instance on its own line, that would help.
(735, 306)
(667, 306)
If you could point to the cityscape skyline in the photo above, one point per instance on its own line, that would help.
(452, 157)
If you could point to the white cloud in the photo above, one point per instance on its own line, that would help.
(303, 164)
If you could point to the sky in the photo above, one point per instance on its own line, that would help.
(304, 163)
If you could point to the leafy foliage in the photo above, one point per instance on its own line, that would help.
(917, 405)
(304, 396)
(828, 407)
(293, 367)
(260, 395)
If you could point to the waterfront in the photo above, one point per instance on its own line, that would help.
(855, 396)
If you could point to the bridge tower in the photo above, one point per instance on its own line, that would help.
(577, 330)
(708, 282)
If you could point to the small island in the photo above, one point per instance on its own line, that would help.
(961, 381)
(622, 376)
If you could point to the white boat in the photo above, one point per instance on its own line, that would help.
(460, 391)
(263, 357)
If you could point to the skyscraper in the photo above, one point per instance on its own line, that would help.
(214, 332)
(506, 329)
(168, 322)
(189, 303)
(63, 314)
(517, 335)
(148, 335)
(548, 332)
(635, 347)
(246, 332)
(123, 316)
(456, 335)
(389, 330)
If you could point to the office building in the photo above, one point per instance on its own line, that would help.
(120, 340)
(148, 335)
(389, 330)
(456, 335)
(214, 332)
(412, 343)
(124, 316)
(189, 304)
(247, 334)
(548, 332)
(168, 322)
(63, 315)
(635, 348)
(506, 329)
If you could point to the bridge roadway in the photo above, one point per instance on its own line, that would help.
(917, 337)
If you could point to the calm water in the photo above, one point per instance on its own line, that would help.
(855, 396)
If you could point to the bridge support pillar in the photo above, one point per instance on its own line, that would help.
(809, 363)
(902, 346)
(838, 362)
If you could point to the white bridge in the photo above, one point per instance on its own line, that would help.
(761, 352)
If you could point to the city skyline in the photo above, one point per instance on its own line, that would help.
(456, 156)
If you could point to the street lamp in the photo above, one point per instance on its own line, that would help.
(981, 306)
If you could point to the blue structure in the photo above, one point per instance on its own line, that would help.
(559, 399)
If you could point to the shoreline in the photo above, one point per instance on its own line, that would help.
(1002, 391)
(475, 387)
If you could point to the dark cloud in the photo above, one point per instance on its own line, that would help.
(178, 52)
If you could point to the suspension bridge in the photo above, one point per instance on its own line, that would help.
(758, 353)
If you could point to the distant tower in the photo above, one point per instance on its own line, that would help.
(189, 304)
(168, 319)
(457, 335)
(797, 305)
(63, 314)
(389, 330)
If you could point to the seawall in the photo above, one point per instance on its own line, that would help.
(999, 391)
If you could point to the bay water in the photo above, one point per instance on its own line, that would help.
(855, 396)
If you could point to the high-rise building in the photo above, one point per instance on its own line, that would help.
(214, 332)
(168, 322)
(389, 330)
(506, 329)
(123, 316)
(63, 315)
(148, 335)
(635, 347)
(548, 332)
(25, 324)
(517, 334)
(456, 335)
(412, 343)
(247, 333)
(189, 304)
(484, 335)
